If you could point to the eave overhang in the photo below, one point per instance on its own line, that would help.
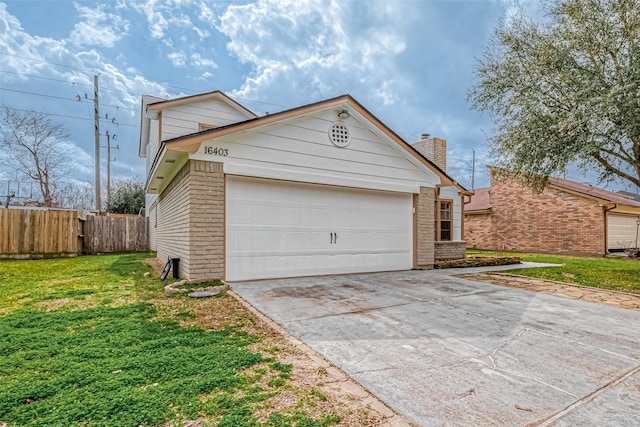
(190, 144)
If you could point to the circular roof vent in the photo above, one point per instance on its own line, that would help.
(339, 134)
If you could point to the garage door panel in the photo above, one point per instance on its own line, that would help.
(622, 231)
(284, 229)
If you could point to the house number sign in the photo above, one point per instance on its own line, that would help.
(224, 152)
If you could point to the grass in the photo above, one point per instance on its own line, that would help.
(614, 273)
(86, 341)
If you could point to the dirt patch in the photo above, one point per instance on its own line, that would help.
(315, 385)
(568, 290)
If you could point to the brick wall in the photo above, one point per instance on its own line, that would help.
(190, 221)
(206, 225)
(553, 221)
(450, 250)
(478, 231)
(425, 223)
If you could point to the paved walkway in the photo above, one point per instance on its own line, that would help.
(568, 290)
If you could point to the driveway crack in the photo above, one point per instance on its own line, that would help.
(549, 421)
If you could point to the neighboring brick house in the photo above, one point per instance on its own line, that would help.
(324, 188)
(566, 217)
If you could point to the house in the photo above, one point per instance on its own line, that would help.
(566, 217)
(324, 188)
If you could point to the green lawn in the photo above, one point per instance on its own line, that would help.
(83, 341)
(614, 273)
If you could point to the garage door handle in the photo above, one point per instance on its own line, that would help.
(331, 238)
(335, 237)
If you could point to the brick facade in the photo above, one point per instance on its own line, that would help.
(554, 221)
(207, 224)
(425, 223)
(450, 250)
(190, 221)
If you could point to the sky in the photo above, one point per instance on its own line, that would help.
(410, 62)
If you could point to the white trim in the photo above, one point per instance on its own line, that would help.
(307, 177)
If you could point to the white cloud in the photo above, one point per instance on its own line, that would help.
(155, 19)
(98, 28)
(178, 59)
(317, 48)
(199, 61)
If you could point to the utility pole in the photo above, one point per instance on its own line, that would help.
(473, 171)
(96, 118)
(110, 137)
(108, 167)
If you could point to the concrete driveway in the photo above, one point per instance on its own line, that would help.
(443, 350)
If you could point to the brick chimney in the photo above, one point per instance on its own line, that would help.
(434, 149)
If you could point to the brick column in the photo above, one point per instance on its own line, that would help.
(206, 220)
(425, 228)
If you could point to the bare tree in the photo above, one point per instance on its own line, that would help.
(35, 146)
(74, 195)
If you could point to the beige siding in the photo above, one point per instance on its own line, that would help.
(153, 145)
(300, 150)
(152, 213)
(172, 232)
(184, 119)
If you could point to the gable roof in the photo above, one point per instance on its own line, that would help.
(191, 143)
(593, 192)
(481, 201)
(216, 94)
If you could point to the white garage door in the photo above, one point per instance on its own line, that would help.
(622, 231)
(285, 229)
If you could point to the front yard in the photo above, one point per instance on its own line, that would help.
(614, 273)
(95, 341)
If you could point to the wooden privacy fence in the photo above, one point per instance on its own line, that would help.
(115, 234)
(25, 233)
(50, 233)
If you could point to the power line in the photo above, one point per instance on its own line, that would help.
(73, 117)
(188, 90)
(64, 98)
(43, 78)
(47, 62)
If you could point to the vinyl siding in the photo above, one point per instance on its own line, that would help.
(184, 119)
(300, 150)
(172, 232)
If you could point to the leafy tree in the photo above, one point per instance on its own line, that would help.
(565, 90)
(127, 196)
(35, 146)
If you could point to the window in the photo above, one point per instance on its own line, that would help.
(444, 220)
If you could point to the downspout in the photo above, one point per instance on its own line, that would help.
(463, 195)
(437, 217)
(606, 226)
